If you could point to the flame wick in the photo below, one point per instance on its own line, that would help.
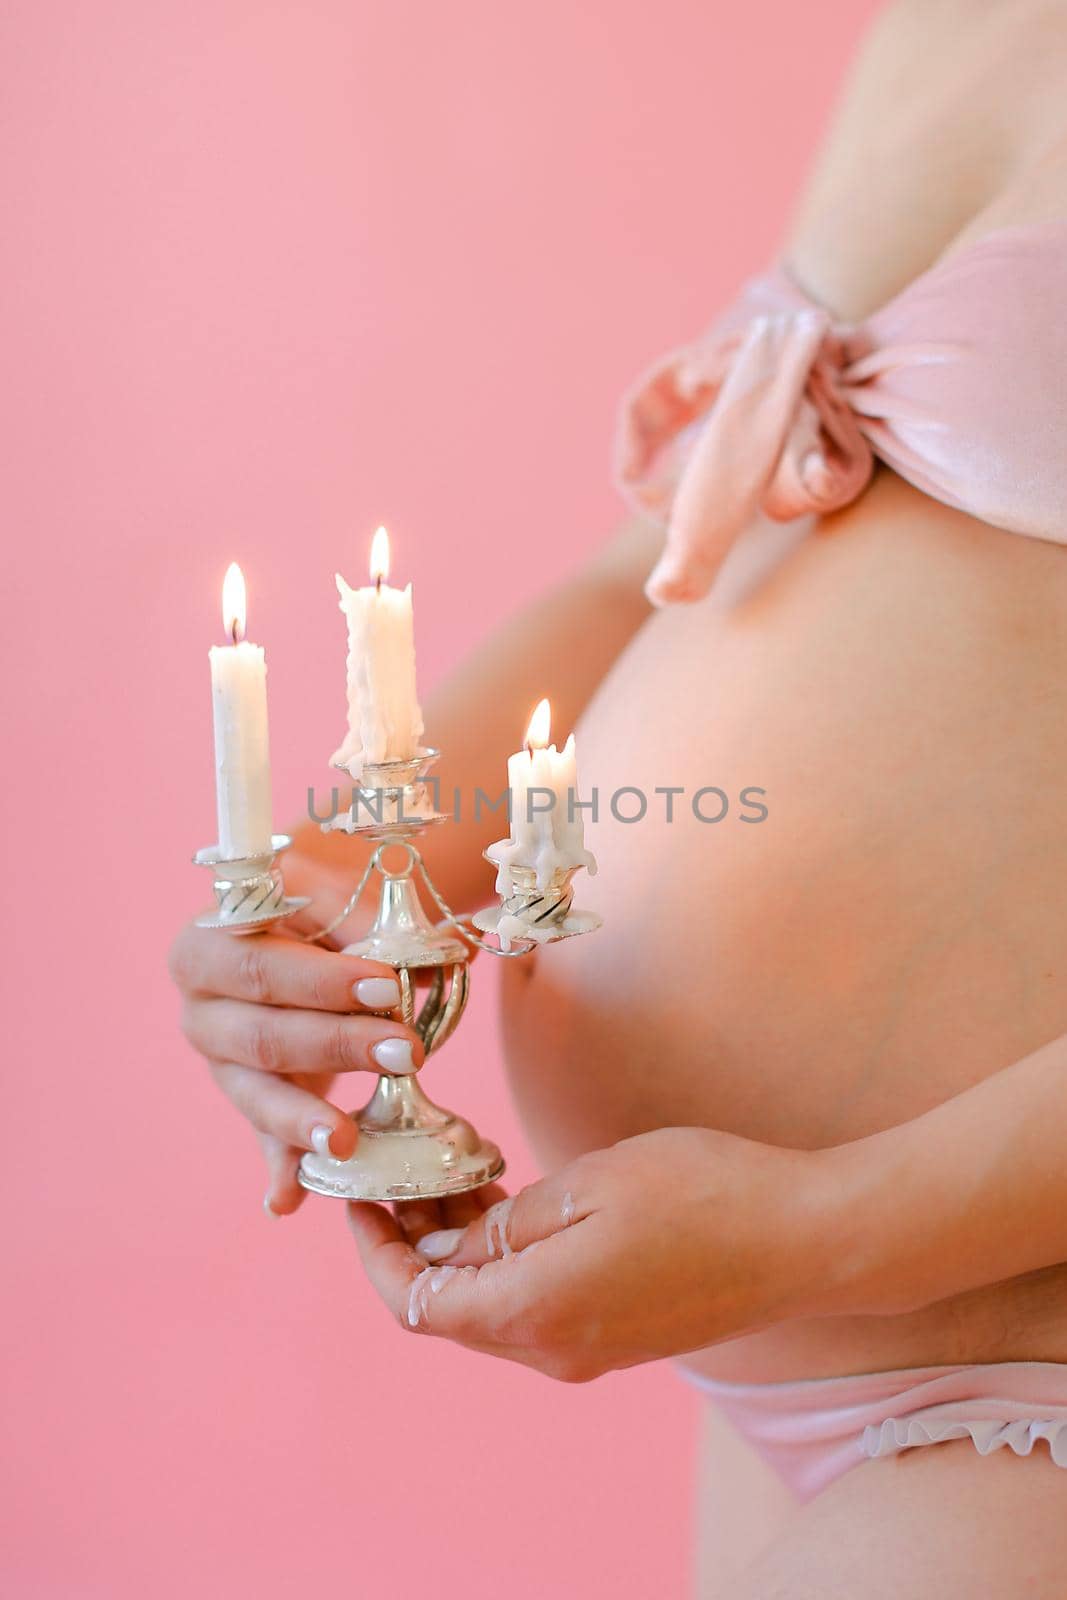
(539, 729)
(233, 603)
(379, 558)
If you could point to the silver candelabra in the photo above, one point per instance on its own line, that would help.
(409, 1148)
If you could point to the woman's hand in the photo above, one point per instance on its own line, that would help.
(277, 1019)
(665, 1243)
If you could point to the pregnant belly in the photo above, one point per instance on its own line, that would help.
(891, 930)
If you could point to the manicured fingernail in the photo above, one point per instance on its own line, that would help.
(395, 1055)
(440, 1245)
(275, 1216)
(377, 994)
(320, 1139)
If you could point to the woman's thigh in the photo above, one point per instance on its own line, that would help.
(742, 1506)
(932, 1523)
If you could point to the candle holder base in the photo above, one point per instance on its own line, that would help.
(409, 1149)
(517, 929)
(249, 892)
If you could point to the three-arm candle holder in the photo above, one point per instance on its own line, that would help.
(409, 1148)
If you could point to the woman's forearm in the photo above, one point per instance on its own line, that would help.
(969, 1194)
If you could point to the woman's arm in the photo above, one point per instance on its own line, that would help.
(966, 1195)
(927, 133)
(684, 1238)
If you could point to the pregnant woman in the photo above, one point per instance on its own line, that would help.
(803, 1102)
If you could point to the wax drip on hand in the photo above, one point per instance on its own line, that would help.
(430, 1281)
(497, 1221)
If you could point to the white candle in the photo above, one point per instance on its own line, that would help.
(384, 720)
(542, 837)
(242, 755)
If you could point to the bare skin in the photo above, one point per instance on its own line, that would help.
(887, 941)
(884, 941)
(939, 1522)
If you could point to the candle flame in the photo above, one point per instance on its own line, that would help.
(379, 557)
(233, 602)
(539, 728)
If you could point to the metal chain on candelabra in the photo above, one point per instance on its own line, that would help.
(350, 905)
(460, 927)
(414, 860)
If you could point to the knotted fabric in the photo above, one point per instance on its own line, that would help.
(959, 384)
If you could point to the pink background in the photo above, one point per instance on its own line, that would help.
(273, 273)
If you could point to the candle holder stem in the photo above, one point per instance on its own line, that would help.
(409, 1147)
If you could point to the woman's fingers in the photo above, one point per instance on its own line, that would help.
(404, 1281)
(288, 1113)
(419, 1218)
(276, 971)
(284, 1194)
(510, 1224)
(504, 1308)
(460, 1209)
(274, 1039)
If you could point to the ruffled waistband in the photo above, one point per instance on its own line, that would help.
(813, 1430)
(905, 1433)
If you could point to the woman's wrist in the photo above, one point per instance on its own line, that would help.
(845, 1231)
(817, 1240)
(795, 1243)
(967, 1194)
(882, 1212)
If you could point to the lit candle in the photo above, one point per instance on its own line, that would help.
(546, 827)
(384, 720)
(242, 755)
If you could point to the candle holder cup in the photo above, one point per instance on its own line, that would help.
(390, 799)
(249, 891)
(538, 915)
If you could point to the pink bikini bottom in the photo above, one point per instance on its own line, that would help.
(814, 1430)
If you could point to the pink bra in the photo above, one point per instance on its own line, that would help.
(959, 384)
